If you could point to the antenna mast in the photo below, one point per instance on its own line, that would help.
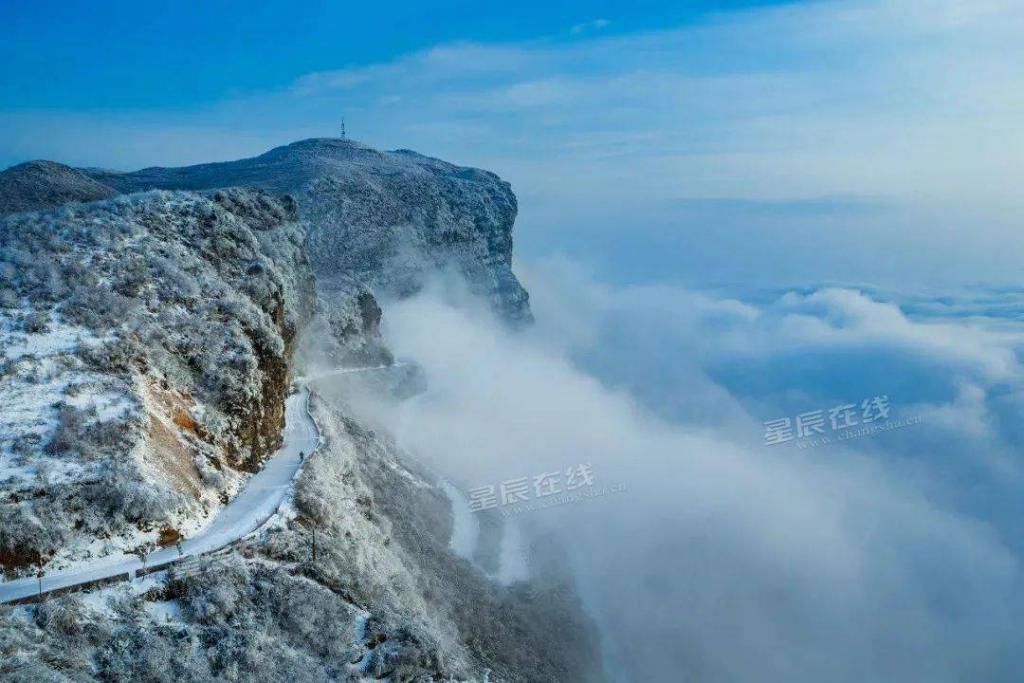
(342, 128)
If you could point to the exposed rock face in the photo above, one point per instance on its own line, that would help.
(383, 599)
(144, 353)
(388, 220)
(38, 185)
(345, 334)
(154, 333)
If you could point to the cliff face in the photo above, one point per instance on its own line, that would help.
(144, 353)
(386, 220)
(156, 329)
(381, 598)
(146, 343)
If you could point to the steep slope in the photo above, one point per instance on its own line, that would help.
(144, 354)
(388, 220)
(37, 185)
(380, 598)
(146, 348)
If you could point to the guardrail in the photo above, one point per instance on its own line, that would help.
(64, 590)
(178, 561)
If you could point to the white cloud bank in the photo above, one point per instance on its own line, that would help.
(726, 559)
(846, 140)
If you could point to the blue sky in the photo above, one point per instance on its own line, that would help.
(131, 55)
(670, 160)
(703, 143)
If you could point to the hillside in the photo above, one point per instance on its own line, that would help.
(144, 346)
(388, 220)
(38, 185)
(148, 344)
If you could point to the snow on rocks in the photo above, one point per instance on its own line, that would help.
(386, 220)
(144, 360)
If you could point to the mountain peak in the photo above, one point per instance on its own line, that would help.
(384, 219)
(42, 184)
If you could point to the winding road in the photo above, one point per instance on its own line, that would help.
(348, 371)
(257, 502)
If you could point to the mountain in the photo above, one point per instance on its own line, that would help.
(150, 340)
(145, 343)
(387, 220)
(38, 185)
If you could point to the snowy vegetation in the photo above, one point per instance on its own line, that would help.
(384, 598)
(144, 345)
(37, 185)
(387, 220)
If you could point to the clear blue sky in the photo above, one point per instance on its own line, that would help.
(132, 55)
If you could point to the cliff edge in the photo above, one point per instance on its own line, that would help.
(386, 220)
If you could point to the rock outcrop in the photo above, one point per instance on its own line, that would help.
(386, 220)
(145, 347)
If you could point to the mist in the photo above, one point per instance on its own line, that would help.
(715, 557)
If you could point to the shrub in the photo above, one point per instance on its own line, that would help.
(70, 431)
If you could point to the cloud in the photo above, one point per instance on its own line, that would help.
(592, 25)
(908, 108)
(449, 63)
(725, 559)
(810, 207)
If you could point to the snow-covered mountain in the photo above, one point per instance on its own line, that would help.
(145, 344)
(388, 220)
(45, 184)
(150, 327)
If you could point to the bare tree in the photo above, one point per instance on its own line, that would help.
(143, 552)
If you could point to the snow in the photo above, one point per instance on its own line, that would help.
(401, 471)
(247, 512)
(109, 405)
(98, 602)
(347, 371)
(166, 610)
(41, 369)
(82, 555)
(361, 624)
(59, 338)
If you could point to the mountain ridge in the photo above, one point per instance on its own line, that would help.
(387, 220)
(40, 184)
(150, 325)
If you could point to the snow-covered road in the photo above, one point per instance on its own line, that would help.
(250, 509)
(348, 371)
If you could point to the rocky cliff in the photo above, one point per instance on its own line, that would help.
(147, 342)
(386, 220)
(144, 353)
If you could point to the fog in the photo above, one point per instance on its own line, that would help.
(888, 557)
